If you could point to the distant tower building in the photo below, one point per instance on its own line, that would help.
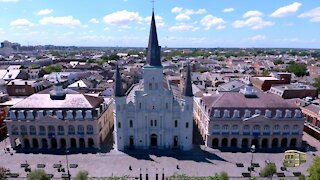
(154, 114)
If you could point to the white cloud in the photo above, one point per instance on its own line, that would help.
(286, 10)
(184, 14)
(220, 27)
(122, 17)
(62, 21)
(226, 10)
(252, 14)
(94, 21)
(21, 23)
(176, 9)
(159, 20)
(258, 38)
(253, 23)
(8, 1)
(44, 12)
(182, 17)
(208, 21)
(183, 27)
(106, 29)
(313, 14)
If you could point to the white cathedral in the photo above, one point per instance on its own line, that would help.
(154, 113)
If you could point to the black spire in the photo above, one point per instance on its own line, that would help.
(153, 54)
(187, 91)
(118, 90)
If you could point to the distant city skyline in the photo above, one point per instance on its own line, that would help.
(193, 23)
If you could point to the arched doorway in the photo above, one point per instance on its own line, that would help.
(54, 143)
(63, 143)
(26, 143)
(245, 143)
(255, 142)
(90, 143)
(131, 142)
(275, 143)
(82, 144)
(284, 142)
(224, 142)
(293, 142)
(73, 143)
(234, 142)
(215, 142)
(35, 143)
(175, 141)
(153, 140)
(44, 143)
(264, 143)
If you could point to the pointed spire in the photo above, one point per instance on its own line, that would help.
(118, 90)
(187, 91)
(153, 54)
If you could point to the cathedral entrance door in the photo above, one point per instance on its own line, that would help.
(153, 140)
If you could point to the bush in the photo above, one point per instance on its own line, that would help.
(82, 175)
(2, 173)
(38, 174)
(268, 170)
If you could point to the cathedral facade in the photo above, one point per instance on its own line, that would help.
(154, 113)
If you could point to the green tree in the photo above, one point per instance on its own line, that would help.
(82, 175)
(2, 173)
(38, 174)
(298, 69)
(276, 62)
(314, 169)
(265, 73)
(302, 177)
(268, 170)
(90, 61)
(49, 69)
(316, 83)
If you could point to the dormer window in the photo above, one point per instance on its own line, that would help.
(226, 113)
(247, 113)
(297, 114)
(288, 113)
(216, 113)
(257, 112)
(278, 113)
(268, 113)
(236, 114)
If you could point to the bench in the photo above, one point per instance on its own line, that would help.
(24, 165)
(41, 165)
(281, 174)
(246, 174)
(297, 174)
(57, 166)
(73, 165)
(239, 165)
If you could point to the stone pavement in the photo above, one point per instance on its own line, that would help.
(198, 162)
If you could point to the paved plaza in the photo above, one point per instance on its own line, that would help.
(198, 162)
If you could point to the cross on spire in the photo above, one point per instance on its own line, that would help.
(153, 1)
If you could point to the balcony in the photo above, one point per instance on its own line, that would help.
(225, 133)
(42, 133)
(235, 133)
(266, 133)
(276, 133)
(246, 133)
(61, 133)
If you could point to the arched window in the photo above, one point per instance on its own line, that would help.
(155, 122)
(71, 130)
(150, 86)
(187, 125)
(80, 129)
(286, 129)
(176, 123)
(32, 130)
(151, 122)
(130, 123)
(42, 130)
(60, 130)
(23, 130)
(246, 129)
(89, 129)
(256, 129)
(119, 125)
(295, 129)
(276, 129)
(15, 130)
(235, 128)
(51, 130)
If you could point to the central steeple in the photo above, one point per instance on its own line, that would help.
(154, 50)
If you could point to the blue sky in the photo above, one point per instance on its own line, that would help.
(181, 23)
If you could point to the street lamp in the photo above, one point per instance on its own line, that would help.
(252, 149)
(67, 164)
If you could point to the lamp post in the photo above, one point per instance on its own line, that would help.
(67, 164)
(252, 149)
